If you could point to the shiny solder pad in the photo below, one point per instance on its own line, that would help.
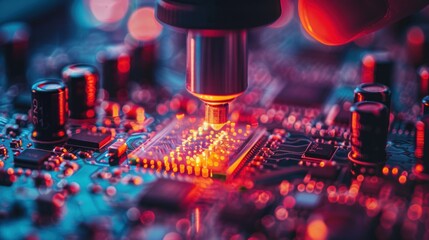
(190, 146)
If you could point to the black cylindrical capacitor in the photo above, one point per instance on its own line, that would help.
(375, 92)
(369, 128)
(115, 69)
(418, 45)
(143, 61)
(14, 38)
(425, 106)
(378, 67)
(423, 78)
(49, 111)
(422, 146)
(82, 82)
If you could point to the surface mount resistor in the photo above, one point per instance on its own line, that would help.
(118, 148)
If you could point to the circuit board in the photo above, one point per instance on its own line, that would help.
(279, 169)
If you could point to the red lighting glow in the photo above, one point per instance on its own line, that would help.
(415, 36)
(336, 22)
(143, 25)
(424, 81)
(124, 63)
(420, 139)
(368, 68)
(108, 11)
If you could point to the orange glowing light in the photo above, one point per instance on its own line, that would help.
(385, 170)
(419, 168)
(395, 171)
(371, 203)
(108, 11)
(402, 179)
(317, 230)
(90, 89)
(115, 110)
(143, 25)
(180, 116)
(62, 108)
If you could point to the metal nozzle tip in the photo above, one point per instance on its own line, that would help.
(216, 115)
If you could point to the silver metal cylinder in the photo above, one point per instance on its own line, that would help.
(216, 64)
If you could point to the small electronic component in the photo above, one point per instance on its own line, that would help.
(82, 81)
(21, 119)
(373, 92)
(115, 70)
(49, 111)
(3, 150)
(134, 112)
(168, 194)
(49, 207)
(16, 143)
(118, 148)
(190, 146)
(6, 178)
(425, 105)
(319, 151)
(94, 140)
(369, 129)
(210, 77)
(32, 158)
(14, 42)
(13, 129)
(378, 67)
(422, 146)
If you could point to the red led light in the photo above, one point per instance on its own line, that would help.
(368, 68)
(124, 63)
(143, 25)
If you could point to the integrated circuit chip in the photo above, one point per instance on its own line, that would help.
(190, 146)
(90, 139)
(167, 194)
(319, 151)
(31, 158)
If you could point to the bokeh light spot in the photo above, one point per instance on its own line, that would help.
(143, 25)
